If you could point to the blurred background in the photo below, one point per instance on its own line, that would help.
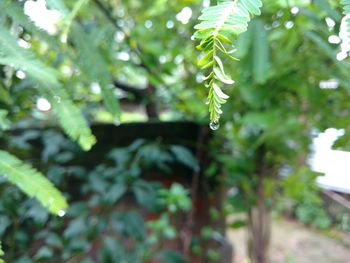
(105, 98)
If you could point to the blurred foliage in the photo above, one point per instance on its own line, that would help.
(75, 69)
(109, 206)
(271, 122)
(313, 215)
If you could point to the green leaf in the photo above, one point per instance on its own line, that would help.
(76, 227)
(44, 253)
(145, 194)
(232, 16)
(208, 65)
(31, 182)
(184, 156)
(1, 254)
(219, 92)
(260, 52)
(205, 59)
(4, 121)
(244, 43)
(219, 62)
(129, 224)
(170, 256)
(224, 39)
(221, 76)
(115, 192)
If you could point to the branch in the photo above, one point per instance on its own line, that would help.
(136, 49)
(337, 198)
(108, 15)
(140, 94)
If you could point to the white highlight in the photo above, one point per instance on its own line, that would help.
(342, 55)
(345, 37)
(294, 10)
(289, 24)
(41, 16)
(184, 15)
(20, 74)
(330, 22)
(95, 88)
(61, 213)
(333, 163)
(43, 104)
(124, 56)
(22, 43)
(148, 24)
(329, 84)
(170, 24)
(333, 39)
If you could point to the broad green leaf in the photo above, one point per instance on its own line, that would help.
(184, 156)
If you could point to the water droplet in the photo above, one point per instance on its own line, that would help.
(117, 122)
(214, 125)
(64, 38)
(61, 213)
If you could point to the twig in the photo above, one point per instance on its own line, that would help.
(139, 93)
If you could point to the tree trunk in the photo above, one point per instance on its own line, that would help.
(259, 233)
(259, 217)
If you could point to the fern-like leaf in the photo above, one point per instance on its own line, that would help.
(48, 85)
(218, 24)
(31, 182)
(89, 55)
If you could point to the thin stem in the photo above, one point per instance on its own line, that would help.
(210, 84)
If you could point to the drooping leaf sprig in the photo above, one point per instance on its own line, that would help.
(46, 79)
(219, 24)
(32, 182)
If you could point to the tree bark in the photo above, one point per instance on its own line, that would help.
(151, 105)
(259, 233)
(259, 217)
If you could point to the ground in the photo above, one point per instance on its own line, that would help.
(294, 243)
